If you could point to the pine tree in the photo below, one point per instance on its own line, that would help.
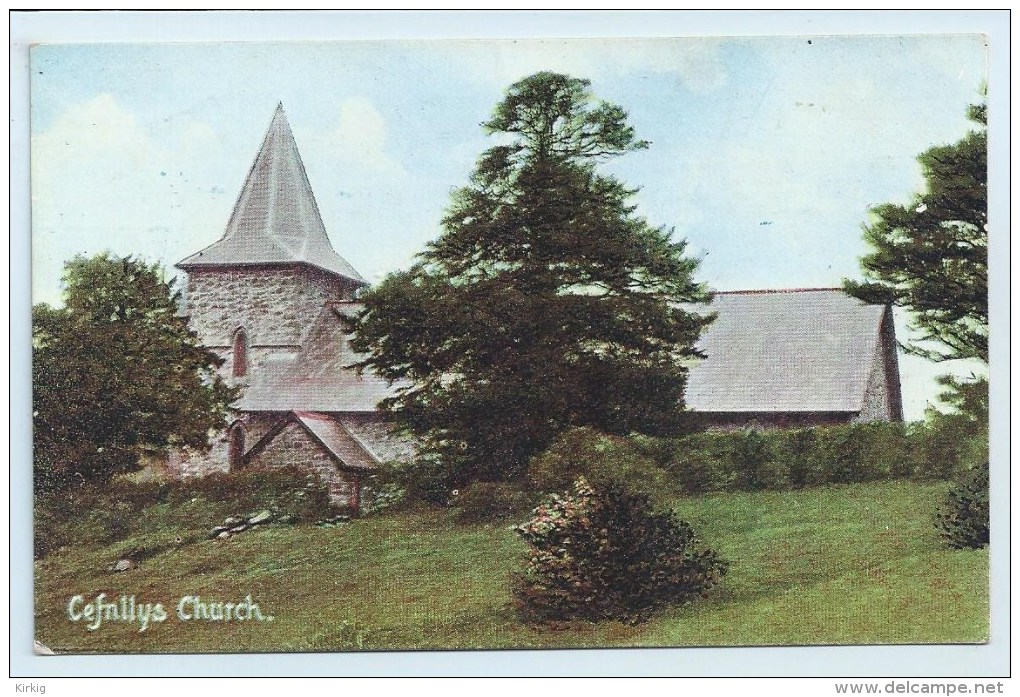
(546, 303)
(931, 255)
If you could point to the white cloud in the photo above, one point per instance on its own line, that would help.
(358, 139)
(101, 181)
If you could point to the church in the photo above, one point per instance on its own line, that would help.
(270, 297)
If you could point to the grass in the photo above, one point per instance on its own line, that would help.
(845, 564)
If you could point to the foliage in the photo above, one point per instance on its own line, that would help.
(292, 492)
(605, 554)
(861, 452)
(963, 516)
(799, 450)
(602, 460)
(424, 479)
(931, 255)
(956, 440)
(111, 512)
(751, 461)
(754, 459)
(966, 419)
(697, 470)
(117, 373)
(487, 501)
(384, 488)
(380, 493)
(546, 303)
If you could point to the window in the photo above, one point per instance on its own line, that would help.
(235, 450)
(240, 353)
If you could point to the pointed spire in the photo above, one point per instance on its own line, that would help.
(276, 219)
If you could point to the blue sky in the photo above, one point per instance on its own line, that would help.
(766, 152)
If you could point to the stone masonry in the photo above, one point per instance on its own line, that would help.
(294, 447)
(272, 305)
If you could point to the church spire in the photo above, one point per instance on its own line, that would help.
(276, 219)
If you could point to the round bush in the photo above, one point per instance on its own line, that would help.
(603, 553)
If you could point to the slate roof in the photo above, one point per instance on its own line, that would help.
(318, 379)
(768, 351)
(337, 439)
(276, 219)
(807, 350)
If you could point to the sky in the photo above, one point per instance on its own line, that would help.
(766, 152)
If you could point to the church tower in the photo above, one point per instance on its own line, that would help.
(272, 298)
(250, 295)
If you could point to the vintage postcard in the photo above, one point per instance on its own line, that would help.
(510, 344)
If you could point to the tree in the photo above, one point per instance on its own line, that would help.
(116, 372)
(546, 302)
(931, 256)
(600, 552)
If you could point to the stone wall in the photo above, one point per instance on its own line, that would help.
(295, 447)
(876, 396)
(882, 400)
(273, 304)
(186, 462)
(374, 432)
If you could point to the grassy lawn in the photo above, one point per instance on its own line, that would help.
(847, 564)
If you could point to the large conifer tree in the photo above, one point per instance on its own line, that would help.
(546, 303)
(931, 255)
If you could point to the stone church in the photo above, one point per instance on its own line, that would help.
(270, 298)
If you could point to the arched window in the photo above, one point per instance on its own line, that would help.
(240, 353)
(235, 451)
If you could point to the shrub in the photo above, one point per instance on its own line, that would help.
(752, 463)
(380, 494)
(963, 518)
(483, 501)
(606, 554)
(697, 469)
(602, 460)
(842, 451)
(717, 460)
(798, 448)
(291, 491)
(952, 442)
(753, 459)
(889, 447)
(102, 514)
(426, 479)
(935, 453)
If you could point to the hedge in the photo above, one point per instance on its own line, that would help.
(757, 459)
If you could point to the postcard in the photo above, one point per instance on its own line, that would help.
(510, 344)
